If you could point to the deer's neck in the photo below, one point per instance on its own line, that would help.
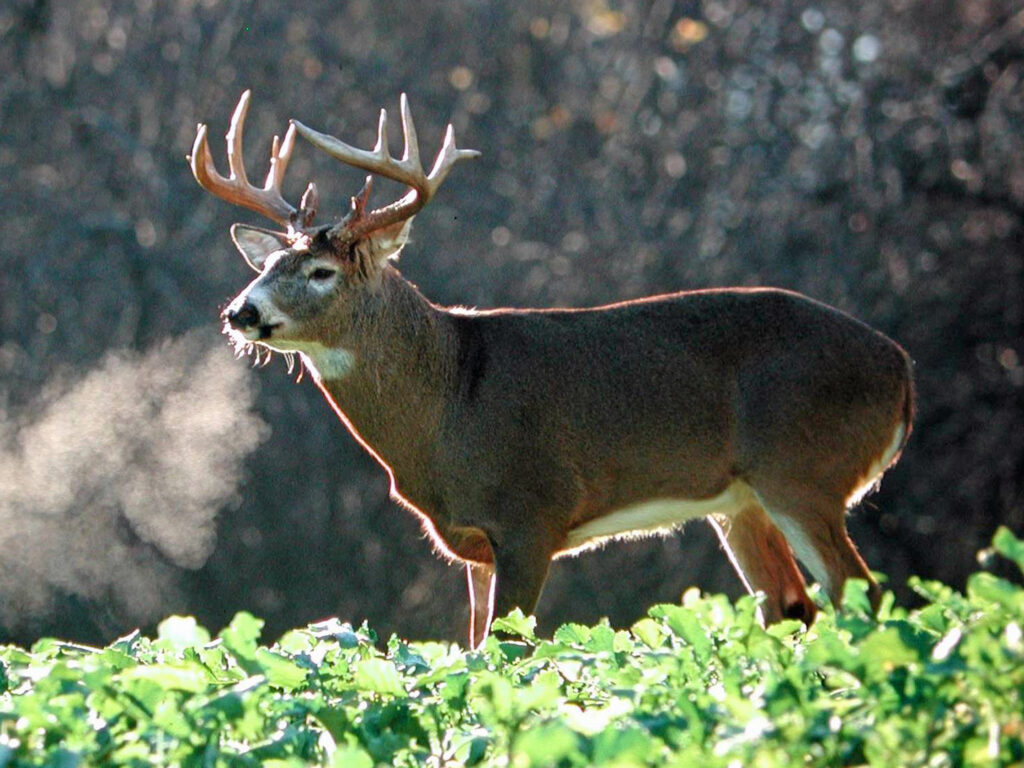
(389, 380)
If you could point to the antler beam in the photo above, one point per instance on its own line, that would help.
(236, 188)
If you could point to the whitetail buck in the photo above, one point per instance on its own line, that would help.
(521, 435)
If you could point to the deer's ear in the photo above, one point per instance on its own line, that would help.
(391, 240)
(256, 244)
(372, 252)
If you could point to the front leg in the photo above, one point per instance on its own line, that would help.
(480, 577)
(507, 545)
(521, 563)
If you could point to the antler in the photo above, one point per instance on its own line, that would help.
(236, 188)
(408, 171)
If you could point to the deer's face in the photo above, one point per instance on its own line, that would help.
(306, 295)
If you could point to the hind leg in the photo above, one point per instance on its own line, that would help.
(764, 561)
(814, 523)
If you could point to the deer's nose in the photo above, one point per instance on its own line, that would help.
(245, 316)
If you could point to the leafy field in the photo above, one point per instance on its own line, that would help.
(697, 684)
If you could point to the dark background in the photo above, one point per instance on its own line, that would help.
(868, 154)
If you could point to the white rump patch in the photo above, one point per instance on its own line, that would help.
(657, 516)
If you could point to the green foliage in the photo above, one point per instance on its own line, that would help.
(700, 683)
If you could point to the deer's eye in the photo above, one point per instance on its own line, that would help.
(322, 273)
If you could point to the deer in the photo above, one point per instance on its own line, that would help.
(518, 436)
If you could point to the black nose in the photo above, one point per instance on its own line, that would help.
(246, 316)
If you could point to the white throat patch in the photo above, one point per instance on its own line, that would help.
(326, 363)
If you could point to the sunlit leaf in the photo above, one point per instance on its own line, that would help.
(989, 587)
(379, 676)
(885, 649)
(1009, 546)
(649, 632)
(572, 634)
(516, 624)
(685, 623)
(347, 756)
(280, 671)
(296, 641)
(242, 635)
(548, 744)
(180, 632)
(167, 676)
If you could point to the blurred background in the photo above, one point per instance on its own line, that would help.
(869, 154)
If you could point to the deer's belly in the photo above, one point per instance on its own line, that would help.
(656, 516)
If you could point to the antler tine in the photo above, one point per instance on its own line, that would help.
(280, 156)
(411, 155)
(236, 188)
(448, 157)
(408, 170)
(381, 148)
(236, 167)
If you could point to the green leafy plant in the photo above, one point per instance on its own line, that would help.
(701, 683)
